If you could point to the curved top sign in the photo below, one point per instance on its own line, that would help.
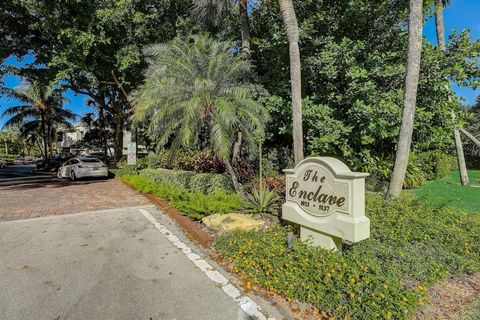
(323, 194)
(318, 186)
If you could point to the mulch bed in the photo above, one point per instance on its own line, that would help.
(449, 299)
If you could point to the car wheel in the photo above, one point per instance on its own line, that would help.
(72, 175)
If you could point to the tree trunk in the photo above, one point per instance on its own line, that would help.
(230, 170)
(291, 27)
(471, 137)
(440, 30)
(46, 160)
(244, 26)
(101, 117)
(237, 147)
(439, 24)
(49, 139)
(118, 147)
(461, 159)
(409, 103)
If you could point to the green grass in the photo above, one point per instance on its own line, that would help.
(449, 192)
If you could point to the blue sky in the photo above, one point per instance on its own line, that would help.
(461, 14)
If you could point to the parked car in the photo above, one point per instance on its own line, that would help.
(19, 160)
(24, 160)
(3, 164)
(80, 167)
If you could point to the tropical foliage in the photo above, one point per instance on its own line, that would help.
(40, 113)
(194, 96)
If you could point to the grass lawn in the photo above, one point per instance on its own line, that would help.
(448, 191)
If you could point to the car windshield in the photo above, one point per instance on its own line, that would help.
(90, 160)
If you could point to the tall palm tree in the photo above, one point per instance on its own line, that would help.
(291, 27)
(415, 25)
(194, 95)
(440, 30)
(212, 13)
(41, 108)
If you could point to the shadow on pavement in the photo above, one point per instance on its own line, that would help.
(25, 177)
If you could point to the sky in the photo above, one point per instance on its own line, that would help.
(459, 15)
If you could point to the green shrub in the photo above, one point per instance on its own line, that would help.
(193, 204)
(201, 182)
(414, 177)
(198, 161)
(262, 200)
(198, 205)
(412, 247)
(158, 160)
(436, 164)
(121, 169)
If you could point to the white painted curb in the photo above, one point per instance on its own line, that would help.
(246, 303)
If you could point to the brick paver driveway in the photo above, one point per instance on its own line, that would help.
(26, 194)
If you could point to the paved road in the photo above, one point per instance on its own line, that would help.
(124, 263)
(28, 194)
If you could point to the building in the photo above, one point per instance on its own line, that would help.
(69, 141)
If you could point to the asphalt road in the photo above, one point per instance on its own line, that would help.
(110, 264)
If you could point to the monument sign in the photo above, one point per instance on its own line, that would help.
(327, 200)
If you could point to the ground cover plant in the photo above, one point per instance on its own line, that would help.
(449, 192)
(412, 246)
(193, 204)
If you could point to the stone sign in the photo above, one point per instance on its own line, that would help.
(327, 200)
(132, 154)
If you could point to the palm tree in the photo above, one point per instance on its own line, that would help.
(194, 95)
(410, 98)
(211, 13)
(41, 109)
(291, 27)
(88, 119)
(440, 30)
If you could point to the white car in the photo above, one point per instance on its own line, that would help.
(82, 167)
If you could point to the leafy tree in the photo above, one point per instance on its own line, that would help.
(94, 47)
(194, 96)
(353, 57)
(9, 141)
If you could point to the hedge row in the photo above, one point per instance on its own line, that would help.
(195, 205)
(206, 183)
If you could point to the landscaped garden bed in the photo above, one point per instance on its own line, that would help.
(414, 247)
